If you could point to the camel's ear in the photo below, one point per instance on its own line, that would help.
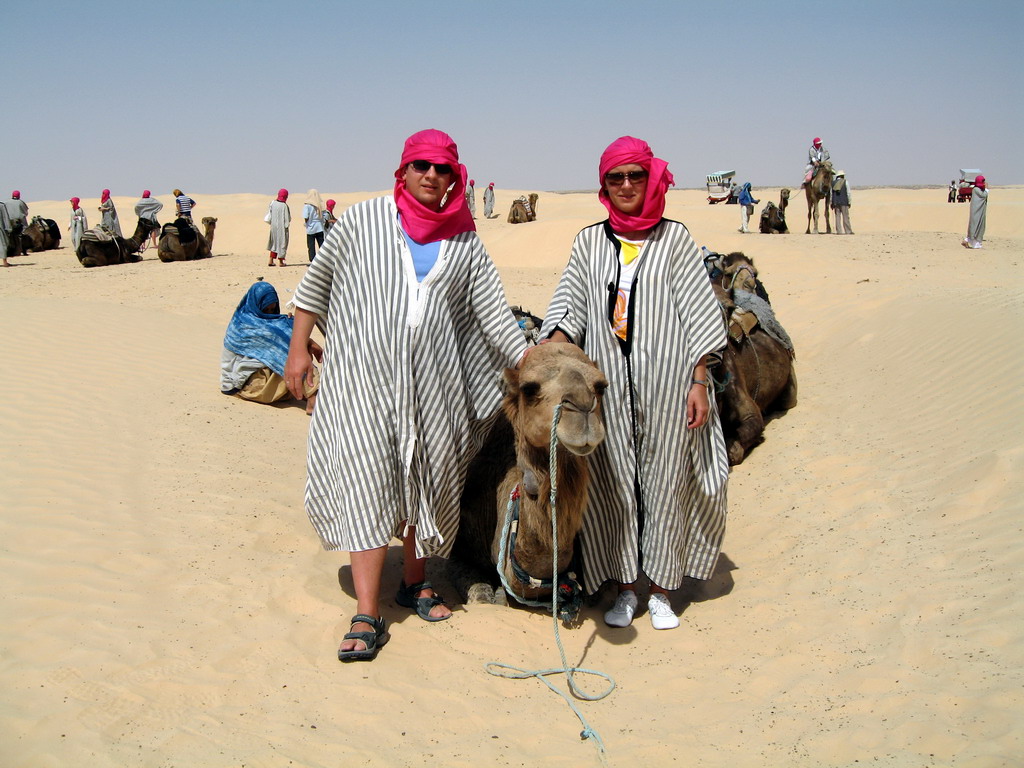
(510, 382)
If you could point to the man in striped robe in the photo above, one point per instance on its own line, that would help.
(418, 330)
(635, 296)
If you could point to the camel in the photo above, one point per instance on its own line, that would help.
(40, 235)
(523, 209)
(515, 458)
(773, 217)
(100, 249)
(757, 375)
(180, 242)
(819, 188)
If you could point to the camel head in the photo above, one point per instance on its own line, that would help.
(209, 221)
(740, 272)
(784, 196)
(552, 374)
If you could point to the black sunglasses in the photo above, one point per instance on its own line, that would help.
(424, 165)
(619, 177)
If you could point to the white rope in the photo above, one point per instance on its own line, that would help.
(517, 673)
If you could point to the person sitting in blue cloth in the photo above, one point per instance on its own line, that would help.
(256, 347)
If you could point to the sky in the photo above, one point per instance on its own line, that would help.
(217, 97)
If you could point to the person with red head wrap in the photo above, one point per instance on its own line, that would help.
(279, 217)
(78, 224)
(471, 198)
(979, 209)
(489, 200)
(636, 297)
(147, 208)
(816, 155)
(109, 220)
(329, 218)
(16, 213)
(417, 332)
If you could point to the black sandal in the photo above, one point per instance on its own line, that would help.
(374, 640)
(407, 598)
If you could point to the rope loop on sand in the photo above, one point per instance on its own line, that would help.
(516, 673)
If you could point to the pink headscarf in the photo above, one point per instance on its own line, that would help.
(282, 195)
(16, 195)
(979, 181)
(105, 196)
(145, 193)
(422, 224)
(74, 202)
(330, 205)
(491, 185)
(472, 183)
(627, 150)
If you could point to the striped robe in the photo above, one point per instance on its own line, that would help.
(410, 381)
(681, 473)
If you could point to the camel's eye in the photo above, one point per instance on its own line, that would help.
(530, 389)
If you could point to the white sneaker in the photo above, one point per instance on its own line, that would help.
(621, 614)
(662, 616)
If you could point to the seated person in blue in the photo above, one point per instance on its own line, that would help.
(256, 347)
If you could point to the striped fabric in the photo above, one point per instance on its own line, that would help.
(682, 473)
(410, 381)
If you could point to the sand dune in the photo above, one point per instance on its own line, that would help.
(167, 602)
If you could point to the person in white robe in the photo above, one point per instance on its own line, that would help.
(636, 297)
(979, 209)
(78, 224)
(418, 330)
(147, 208)
(817, 155)
(279, 216)
(109, 214)
(5, 233)
(489, 200)
(471, 198)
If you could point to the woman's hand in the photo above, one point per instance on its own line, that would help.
(698, 406)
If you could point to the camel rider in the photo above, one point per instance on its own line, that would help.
(816, 155)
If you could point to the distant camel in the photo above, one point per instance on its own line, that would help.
(40, 235)
(819, 189)
(523, 209)
(180, 242)
(100, 249)
(773, 217)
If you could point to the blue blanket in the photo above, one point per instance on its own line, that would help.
(260, 335)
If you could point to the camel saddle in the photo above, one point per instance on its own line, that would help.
(741, 323)
(183, 229)
(98, 235)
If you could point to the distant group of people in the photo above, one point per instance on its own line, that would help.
(317, 216)
(488, 199)
(148, 208)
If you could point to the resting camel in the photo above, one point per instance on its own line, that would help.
(757, 375)
(100, 249)
(180, 242)
(773, 217)
(40, 235)
(523, 209)
(516, 458)
(819, 188)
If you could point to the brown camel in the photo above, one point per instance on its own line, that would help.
(773, 217)
(100, 249)
(523, 209)
(757, 376)
(40, 235)
(180, 242)
(819, 189)
(516, 457)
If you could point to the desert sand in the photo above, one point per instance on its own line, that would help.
(166, 602)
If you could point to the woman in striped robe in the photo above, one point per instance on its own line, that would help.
(418, 330)
(636, 297)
